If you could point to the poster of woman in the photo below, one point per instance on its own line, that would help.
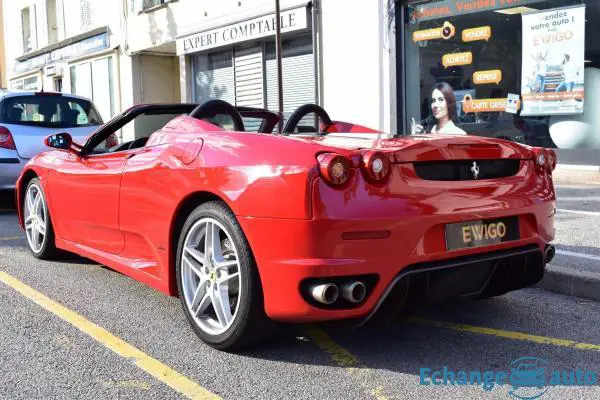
(442, 105)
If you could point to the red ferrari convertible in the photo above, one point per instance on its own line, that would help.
(248, 226)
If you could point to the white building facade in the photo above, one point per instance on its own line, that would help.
(336, 53)
(66, 45)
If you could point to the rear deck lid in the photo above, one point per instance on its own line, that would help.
(427, 148)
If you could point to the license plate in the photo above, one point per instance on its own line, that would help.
(469, 234)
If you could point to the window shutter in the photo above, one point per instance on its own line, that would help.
(213, 76)
(298, 70)
(86, 14)
(249, 77)
(249, 88)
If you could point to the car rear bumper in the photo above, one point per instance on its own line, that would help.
(294, 255)
(11, 166)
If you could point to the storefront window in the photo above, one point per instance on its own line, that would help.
(27, 84)
(522, 70)
(247, 76)
(93, 80)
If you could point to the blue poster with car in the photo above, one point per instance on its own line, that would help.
(552, 80)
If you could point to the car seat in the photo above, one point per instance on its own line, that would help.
(15, 114)
(70, 117)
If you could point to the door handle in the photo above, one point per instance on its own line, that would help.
(138, 152)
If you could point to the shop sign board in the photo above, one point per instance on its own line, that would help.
(453, 8)
(82, 47)
(291, 20)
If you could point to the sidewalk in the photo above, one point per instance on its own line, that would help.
(571, 282)
(578, 174)
(567, 280)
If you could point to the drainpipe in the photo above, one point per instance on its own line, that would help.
(279, 64)
(317, 45)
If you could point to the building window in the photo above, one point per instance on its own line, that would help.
(26, 30)
(31, 84)
(477, 60)
(51, 21)
(58, 84)
(147, 5)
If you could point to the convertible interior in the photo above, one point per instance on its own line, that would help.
(141, 121)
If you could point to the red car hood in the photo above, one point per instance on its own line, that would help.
(425, 147)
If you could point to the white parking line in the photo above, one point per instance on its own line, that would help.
(593, 213)
(580, 255)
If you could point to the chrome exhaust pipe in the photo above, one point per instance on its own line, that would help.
(354, 292)
(549, 253)
(326, 293)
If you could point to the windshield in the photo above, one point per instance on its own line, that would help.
(49, 112)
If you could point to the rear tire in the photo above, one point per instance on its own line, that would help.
(219, 282)
(38, 223)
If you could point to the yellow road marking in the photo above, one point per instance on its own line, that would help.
(10, 238)
(345, 359)
(340, 355)
(157, 369)
(505, 334)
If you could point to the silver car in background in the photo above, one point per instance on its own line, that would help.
(26, 118)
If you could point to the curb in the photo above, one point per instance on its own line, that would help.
(576, 174)
(571, 282)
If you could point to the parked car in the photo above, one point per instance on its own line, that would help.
(27, 118)
(247, 228)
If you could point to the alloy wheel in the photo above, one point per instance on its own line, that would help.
(36, 218)
(211, 276)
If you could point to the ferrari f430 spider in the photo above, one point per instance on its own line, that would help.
(248, 225)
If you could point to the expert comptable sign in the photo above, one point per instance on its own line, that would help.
(291, 20)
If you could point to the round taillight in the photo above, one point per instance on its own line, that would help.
(541, 159)
(376, 165)
(551, 159)
(334, 168)
(545, 160)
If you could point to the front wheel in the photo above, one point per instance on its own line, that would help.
(37, 222)
(217, 279)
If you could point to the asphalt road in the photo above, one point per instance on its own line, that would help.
(44, 356)
(578, 227)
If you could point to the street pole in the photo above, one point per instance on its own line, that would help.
(279, 65)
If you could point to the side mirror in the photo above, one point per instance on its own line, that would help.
(61, 141)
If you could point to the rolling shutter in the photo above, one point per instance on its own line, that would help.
(249, 77)
(298, 70)
(214, 77)
(249, 88)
